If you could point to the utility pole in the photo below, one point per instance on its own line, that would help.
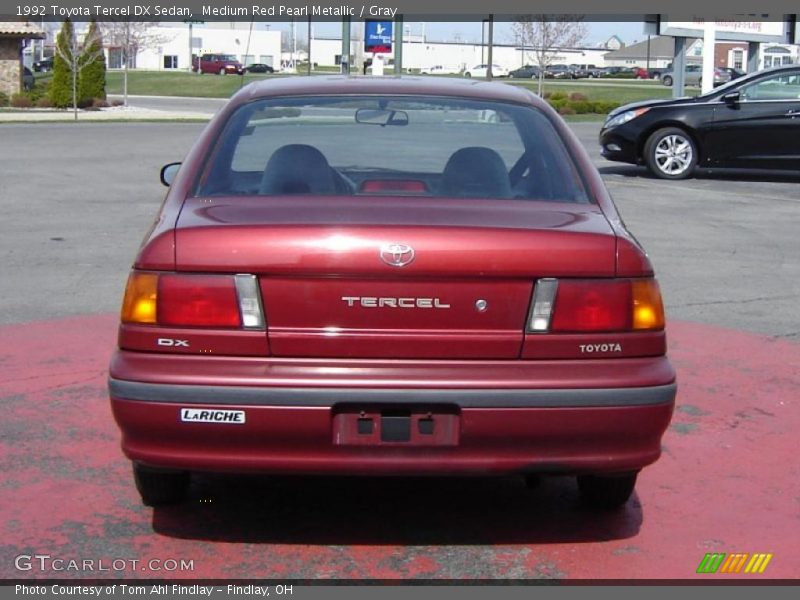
(491, 43)
(345, 62)
(309, 45)
(398, 45)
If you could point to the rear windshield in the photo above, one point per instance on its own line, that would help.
(399, 146)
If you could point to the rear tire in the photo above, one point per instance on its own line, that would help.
(159, 487)
(607, 492)
(667, 81)
(670, 153)
(467, 74)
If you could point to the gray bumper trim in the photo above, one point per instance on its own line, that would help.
(468, 398)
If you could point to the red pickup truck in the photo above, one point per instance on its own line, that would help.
(223, 64)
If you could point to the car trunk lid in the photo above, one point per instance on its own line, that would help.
(447, 279)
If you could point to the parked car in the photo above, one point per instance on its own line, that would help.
(751, 122)
(481, 71)
(44, 65)
(734, 73)
(27, 79)
(559, 72)
(586, 71)
(396, 286)
(640, 73)
(613, 71)
(693, 75)
(222, 64)
(259, 68)
(526, 72)
(440, 70)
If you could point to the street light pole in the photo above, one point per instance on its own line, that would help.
(483, 42)
(491, 40)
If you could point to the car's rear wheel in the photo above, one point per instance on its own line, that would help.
(670, 153)
(467, 74)
(607, 491)
(159, 487)
(667, 81)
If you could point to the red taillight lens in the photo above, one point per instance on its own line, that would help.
(592, 305)
(198, 301)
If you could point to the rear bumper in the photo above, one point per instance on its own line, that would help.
(510, 416)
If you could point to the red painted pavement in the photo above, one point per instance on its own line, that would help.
(727, 482)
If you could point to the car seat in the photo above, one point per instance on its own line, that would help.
(476, 172)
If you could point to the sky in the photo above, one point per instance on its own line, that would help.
(628, 32)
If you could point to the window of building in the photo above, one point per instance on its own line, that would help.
(738, 59)
(170, 61)
(266, 59)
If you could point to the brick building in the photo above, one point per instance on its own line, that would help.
(12, 38)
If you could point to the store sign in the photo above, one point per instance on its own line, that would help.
(378, 36)
(743, 28)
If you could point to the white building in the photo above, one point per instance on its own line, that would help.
(170, 47)
(419, 53)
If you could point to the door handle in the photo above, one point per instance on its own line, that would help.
(793, 113)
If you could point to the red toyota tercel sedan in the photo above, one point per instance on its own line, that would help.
(390, 277)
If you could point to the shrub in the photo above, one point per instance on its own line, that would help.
(566, 110)
(581, 107)
(557, 104)
(607, 107)
(547, 95)
(576, 96)
(99, 103)
(3, 99)
(92, 83)
(61, 86)
(117, 103)
(21, 101)
(43, 102)
(558, 96)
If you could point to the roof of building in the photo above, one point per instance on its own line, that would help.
(660, 47)
(20, 29)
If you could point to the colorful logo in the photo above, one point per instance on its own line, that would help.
(719, 562)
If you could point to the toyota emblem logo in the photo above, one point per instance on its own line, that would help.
(397, 255)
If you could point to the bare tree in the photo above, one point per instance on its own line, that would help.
(546, 33)
(131, 37)
(79, 56)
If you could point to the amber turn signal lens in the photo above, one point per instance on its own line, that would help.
(648, 309)
(141, 294)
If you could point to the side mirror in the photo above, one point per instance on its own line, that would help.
(168, 173)
(731, 98)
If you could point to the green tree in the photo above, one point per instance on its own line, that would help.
(61, 87)
(92, 81)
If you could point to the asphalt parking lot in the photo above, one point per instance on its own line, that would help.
(76, 201)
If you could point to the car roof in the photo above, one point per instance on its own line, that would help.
(322, 85)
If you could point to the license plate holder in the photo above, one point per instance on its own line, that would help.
(396, 426)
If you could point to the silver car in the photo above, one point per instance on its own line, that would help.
(693, 75)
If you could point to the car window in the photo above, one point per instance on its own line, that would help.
(780, 87)
(391, 146)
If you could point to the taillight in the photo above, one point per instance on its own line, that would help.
(187, 300)
(139, 305)
(385, 186)
(197, 301)
(596, 305)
